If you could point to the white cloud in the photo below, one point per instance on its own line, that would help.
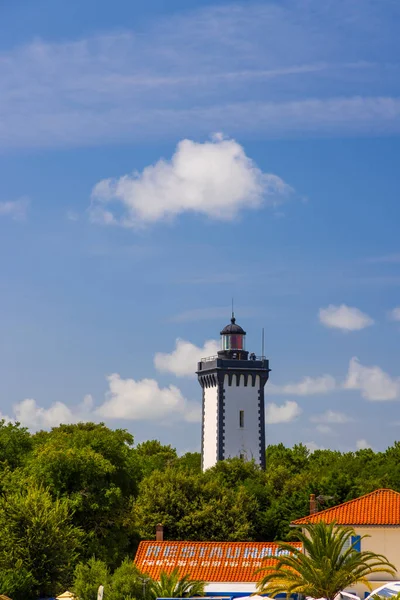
(179, 75)
(126, 399)
(5, 418)
(306, 386)
(332, 417)
(183, 360)
(324, 429)
(372, 382)
(362, 445)
(144, 400)
(284, 413)
(344, 317)
(395, 314)
(312, 446)
(213, 178)
(15, 209)
(71, 215)
(31, 415)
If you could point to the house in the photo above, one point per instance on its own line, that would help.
(376, 515)
(228, 568)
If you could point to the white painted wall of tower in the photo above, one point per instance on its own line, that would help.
(210, 431)
(242, 440)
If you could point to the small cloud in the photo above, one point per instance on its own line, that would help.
(312, 447)
(344, 317)
(15, 209)
(213, 178)
(394, 314)
(35, 417)
(363, 445)
(306, 387)
(331, 417)
(372, 382)
(72, 215)
(183, 360)
(324, 429)
(289, 411)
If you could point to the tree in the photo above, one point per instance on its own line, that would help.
(95, 469)
(88, 577)
(173, 586)
(17, 582)
(190, 461)
(152, 455)
(15, 444)
(328, 565)
(36, 533)
(193, 507)
(128, 582)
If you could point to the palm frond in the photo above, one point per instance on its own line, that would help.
(328, 564)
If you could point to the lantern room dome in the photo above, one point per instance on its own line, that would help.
(233, 328)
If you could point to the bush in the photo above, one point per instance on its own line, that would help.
(88, 577)
(127, 583)
(17, 583)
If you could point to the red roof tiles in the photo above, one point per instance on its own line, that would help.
(381, 507)
(208, 561)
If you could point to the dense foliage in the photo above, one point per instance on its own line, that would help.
(127, 583)
(84, 492)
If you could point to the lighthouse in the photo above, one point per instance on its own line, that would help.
(233, 422)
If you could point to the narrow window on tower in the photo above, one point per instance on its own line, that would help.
(241, 419)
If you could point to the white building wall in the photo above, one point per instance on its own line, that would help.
(381, 540)
(232, 587)
(242, 440)
(210, 433)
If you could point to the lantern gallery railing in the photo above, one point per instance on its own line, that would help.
(212, 358)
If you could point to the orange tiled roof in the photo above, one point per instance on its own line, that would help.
(208, 561)
(381, 507)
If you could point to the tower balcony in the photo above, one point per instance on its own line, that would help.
(254, 362)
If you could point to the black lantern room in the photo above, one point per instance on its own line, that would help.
(233, 341)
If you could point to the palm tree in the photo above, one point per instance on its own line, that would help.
(173, 586)
(328, 565)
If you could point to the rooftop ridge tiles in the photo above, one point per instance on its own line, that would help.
(341, 507)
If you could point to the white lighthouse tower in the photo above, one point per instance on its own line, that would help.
(233, 401)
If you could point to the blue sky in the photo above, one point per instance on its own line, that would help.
(157, 159)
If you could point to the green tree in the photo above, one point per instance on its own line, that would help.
(36, 533)
(152, 456)
(128, 582)
(96, 470)
(173, 586)
(15, 445)
(17, 582)
(329, 564)
(88, 577)
(193, 507)
(190, 461)
(234, 472)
